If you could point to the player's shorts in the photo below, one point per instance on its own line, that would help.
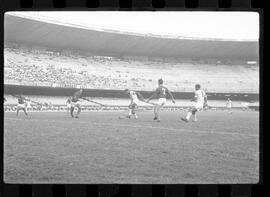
(134, 104)
(75, 104)
(21, 106)
(68, 105)
(229, 106)
(198, 105)
(161, 101)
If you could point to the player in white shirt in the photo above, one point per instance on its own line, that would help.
(229, 106)
(199, 100)
(134, 101)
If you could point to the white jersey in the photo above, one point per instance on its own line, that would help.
(199, 96)
(229, 104)
(133, 96)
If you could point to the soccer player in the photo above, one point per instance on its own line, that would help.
(134, 101)
(21, 105)
(76, 103)
(229, 106)
(161, 94)
(68, 102)
(198, 103)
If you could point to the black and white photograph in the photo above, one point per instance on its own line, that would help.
(121, 97)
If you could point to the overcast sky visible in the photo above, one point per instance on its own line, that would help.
(223, 25)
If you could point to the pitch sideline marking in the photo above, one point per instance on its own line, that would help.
(144, 126)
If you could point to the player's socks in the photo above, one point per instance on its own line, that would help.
(71, 112)
(135, 115)
(188, 116)
(194, 118)
(129, 112)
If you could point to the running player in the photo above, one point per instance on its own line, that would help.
(76, 103)
(21, 105)
(68, 102)
(198, 103)
(134, 101)
(229, 106)
(161, 94)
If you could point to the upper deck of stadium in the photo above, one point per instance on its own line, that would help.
(54, 34)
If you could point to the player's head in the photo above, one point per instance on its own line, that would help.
(197, 86)
(81, 90)
(229, 99)
(160, 82)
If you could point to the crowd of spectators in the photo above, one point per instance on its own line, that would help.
(27, 66)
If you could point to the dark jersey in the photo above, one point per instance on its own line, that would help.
(76, 96)
(162, 92)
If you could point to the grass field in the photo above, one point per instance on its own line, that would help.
(51, 147)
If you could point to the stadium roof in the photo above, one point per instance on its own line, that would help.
(112, 42)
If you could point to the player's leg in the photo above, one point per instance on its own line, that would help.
(155, 112)
(194, 114)
(79, 110)
(24, 109)
(72, 110)
(19, 107)
(189, 114)
(158, 111)
(134, 106)
(17, 111)
(129, 111)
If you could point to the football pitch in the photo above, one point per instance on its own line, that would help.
(52, 147)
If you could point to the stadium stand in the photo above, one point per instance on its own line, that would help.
(40, 67)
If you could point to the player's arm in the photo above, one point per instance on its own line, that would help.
(171, 95)
(194, 98)
(140, 96)
(151, 97)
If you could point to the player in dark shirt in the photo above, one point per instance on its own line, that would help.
(161, 94)
(21, 105)
(76, 103)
